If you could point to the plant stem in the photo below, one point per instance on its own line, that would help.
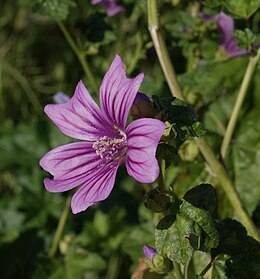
(160, 46)
(206, 151)
(186, 269)
(113, 266)
(80, 54)
(206, 269)
(177, 270)
(239, 101)
(60, 227)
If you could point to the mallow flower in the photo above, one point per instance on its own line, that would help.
(110, 6)
(225, 25)
(106, 140)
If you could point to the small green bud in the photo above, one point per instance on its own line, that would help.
(157, 200)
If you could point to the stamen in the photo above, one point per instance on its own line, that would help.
(111, 149)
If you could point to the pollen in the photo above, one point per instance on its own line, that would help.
(111, 149)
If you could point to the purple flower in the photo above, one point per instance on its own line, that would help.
(61, 98)
(109, 5)
(107, 142)
(149, 252)
(225, 26)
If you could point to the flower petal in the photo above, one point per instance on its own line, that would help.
(97, 188)
(117, 93)
(143, 136)
(70, 165)
(80, 117)
(226, 28)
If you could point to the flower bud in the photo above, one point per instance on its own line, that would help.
(149, 252)
(61, 98)
(142, 107)
(157, 200)
(155, 262)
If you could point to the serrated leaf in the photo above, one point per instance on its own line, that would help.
(245, 38)
(242, 8)
(173, 243)
(55, 9)
(180, 115)
(204, 220)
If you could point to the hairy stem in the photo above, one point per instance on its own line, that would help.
(80, 54)
(206, 151)
(60, 227)
(238, 104)
(161, 49)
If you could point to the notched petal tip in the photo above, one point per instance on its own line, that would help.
(117, 93)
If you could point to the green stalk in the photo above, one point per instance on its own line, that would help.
(238, 104)
(60, 228)
(206, 151)
(206, 269)
(161, 49)
(81, 56)
(177, 270)
(113, 266)
(186, 269)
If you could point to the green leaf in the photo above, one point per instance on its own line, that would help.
(182, 117)
(55, 9)
(219, 267)
(242, 8)
(233, 240)
(240, 252)
(246, 153)
(173, 242)
(245, 38)
(204, 220)
(167, 152)
(202, 196)
(193, 228)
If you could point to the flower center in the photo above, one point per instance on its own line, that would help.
(111, 149)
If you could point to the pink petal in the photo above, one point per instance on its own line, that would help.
(143, 137)
(225, 25)
(117, 93)
(70, 165)
(80, 117)
(97, 188)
